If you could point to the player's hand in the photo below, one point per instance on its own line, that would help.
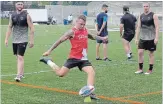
(156, 41)
(47, 53)
(31, 44)
(6, 43)
(105, 38)
(121, 35)
(98, 32)
(136, 41)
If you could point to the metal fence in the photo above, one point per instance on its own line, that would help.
(63, 9)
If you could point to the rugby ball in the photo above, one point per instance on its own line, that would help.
(86, 90)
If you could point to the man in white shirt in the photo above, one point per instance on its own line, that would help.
(70, 18)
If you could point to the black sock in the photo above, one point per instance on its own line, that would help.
(130, 53)
(150, 66)
(140, 66)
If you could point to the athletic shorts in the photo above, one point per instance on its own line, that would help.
(128, 37)
(19, 48)
(72, 62)
(103, 34)
(147, 45)
(101, 41)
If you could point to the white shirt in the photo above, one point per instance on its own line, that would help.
(70, 18)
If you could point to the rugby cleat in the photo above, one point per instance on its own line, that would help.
(106, 59)
(148, 72)
(17, 79)
(93, 96)
(98, 58)
(45, 59)
(139, 71)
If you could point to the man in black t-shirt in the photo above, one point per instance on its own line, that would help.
(128, 23)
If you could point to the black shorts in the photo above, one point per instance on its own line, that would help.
(72, 62)
(128, 37)
(19, 48)
(147, 45)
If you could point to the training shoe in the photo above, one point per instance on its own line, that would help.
(98, 59)
(45, 59)
(106, 59)
(22, 76)
(93, 96)
(17, 79)
(148, 72)
(139, 71)
(129, 58)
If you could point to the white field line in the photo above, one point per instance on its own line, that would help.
(26, 73)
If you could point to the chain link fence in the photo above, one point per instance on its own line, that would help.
(60, 10)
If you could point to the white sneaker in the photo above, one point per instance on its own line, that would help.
(139, 71)
(22, 76)
(17, 79)
(148, 72)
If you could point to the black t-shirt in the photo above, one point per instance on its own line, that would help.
(19, 19)
(129, 23)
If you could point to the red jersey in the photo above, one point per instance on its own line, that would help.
(79, 44)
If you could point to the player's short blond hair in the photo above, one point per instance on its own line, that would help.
(83, 17)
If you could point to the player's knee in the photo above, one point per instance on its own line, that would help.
(20, 57)
(151, 55)
(140, 53)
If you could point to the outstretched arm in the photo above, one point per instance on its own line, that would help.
(94, 37)
(67, 35)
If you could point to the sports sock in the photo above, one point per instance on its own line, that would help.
(150, 66)
(52, 64)
(140, 66)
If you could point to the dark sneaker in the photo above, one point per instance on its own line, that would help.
(45, 59)
(17, 79)
(129, 58)
(98, 59)
(106, 59)
(93, 96)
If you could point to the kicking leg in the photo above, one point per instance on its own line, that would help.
(59, 71)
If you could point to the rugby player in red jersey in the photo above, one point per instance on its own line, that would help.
(78, 37)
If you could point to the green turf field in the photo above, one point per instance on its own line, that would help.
(4, 21)
(116, 82)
